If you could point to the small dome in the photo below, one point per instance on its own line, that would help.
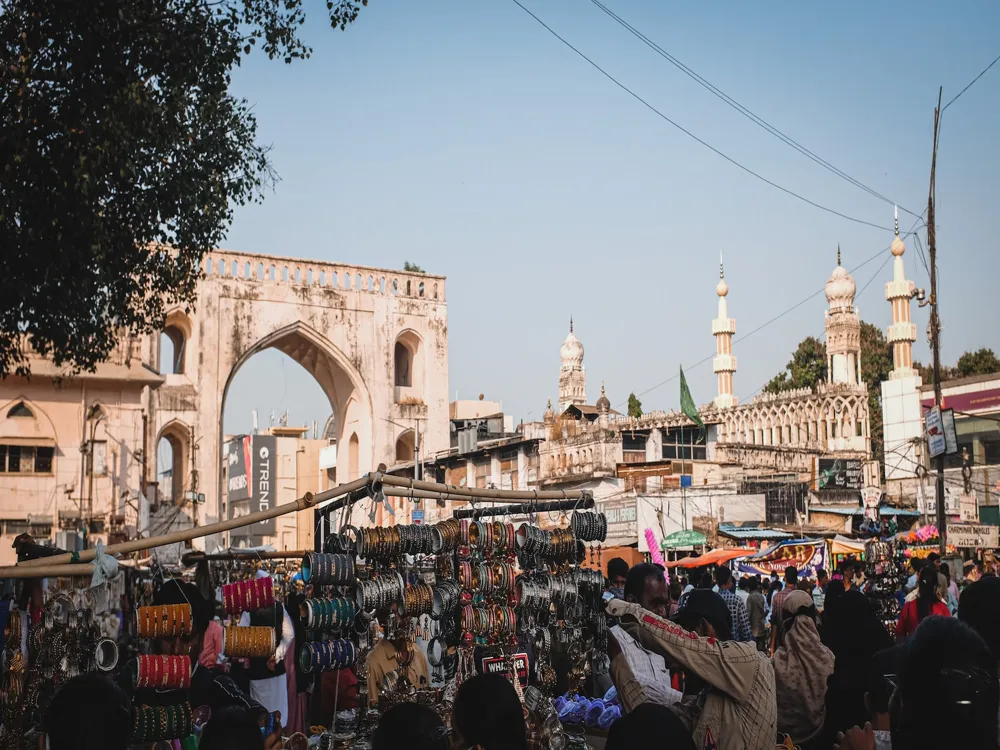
(603, 404)
(549, 415)
(840, 287)
(897, 248)
(571, 352)
(722, 288)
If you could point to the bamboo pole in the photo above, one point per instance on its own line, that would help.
(486, 494)
(48, 570)
(197, 556)
(303, 503)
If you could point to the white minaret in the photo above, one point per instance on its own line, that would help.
(572, 377)
(724, 363)
(902, 427)
(902, 333)
(843, 328)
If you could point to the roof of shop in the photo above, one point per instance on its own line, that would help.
(753, 532)
(850, 510)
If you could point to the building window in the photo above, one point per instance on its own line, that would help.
(684, 443)
(26, 459)
(402, 357)
(20, 410)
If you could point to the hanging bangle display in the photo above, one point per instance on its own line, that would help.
(165, 672)
(106, 655)
(164, 621)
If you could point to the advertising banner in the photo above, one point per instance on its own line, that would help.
(806, 556)
(839, 474)
(623, 526)
(251, 469)
(973, 536)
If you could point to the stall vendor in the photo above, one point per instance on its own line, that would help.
(268, 680)
(400, 655)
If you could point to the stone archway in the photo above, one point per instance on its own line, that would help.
(343, 385)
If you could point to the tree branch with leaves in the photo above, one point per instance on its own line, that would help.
(123, 154)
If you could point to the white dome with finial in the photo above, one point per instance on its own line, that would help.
(722, 288)
(840, 287)
(897, 247)
(571, 351)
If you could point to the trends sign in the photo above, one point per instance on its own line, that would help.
(251, 470)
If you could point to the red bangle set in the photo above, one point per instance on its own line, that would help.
(173, 672)
(247, 596)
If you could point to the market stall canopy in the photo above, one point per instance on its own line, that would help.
(684, 538)
(805, 555)
(715, 557)
(752, 533)
(841, 545)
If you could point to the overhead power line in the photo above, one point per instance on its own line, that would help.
(757, 120)
(691, 135)
(970, 83)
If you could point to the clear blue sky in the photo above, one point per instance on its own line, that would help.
(462, 136)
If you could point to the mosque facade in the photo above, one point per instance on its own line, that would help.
(780, 433)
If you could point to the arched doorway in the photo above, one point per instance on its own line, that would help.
(338, 414)
(175, 473)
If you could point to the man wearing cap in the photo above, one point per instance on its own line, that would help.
(645, 586)
(730, 699)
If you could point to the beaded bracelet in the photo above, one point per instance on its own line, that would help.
(155, 723)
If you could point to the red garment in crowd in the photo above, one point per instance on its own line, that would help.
(343, 684)
(909, 619)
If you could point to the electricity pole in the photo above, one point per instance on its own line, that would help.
(935, 332)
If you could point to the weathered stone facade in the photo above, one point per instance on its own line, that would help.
(375, 340)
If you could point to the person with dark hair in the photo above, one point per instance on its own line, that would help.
(89, 712)
(268, 678)
(487, 714)
(412, 726)
(854, 633)
(916, 563)
(732, 684)
(740, 620)
(617, 572)
(237, 728)
(979, 608)
(950, 593)
(707, 581)
(880, 683)
(819, 592)
(926, 604)
(802, 665)
(961, 709)
(778, 600)
(757, 611)
(644, 723)
(676, 590)
(646, 587)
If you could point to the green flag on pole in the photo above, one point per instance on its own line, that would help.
(688, 407)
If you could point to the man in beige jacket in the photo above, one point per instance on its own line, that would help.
(730, 703)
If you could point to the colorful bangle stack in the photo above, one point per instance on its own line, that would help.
(164, 621)
(322, 569)
(418, 599)
(247, 596)
(327, 655)
(328, 614)
(155, 723)
(253, 641)
(169, 672)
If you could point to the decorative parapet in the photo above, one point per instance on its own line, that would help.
(274, 269)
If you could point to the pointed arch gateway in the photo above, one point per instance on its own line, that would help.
(349, 396)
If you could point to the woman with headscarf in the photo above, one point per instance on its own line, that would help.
(853, 632)
(802, 665)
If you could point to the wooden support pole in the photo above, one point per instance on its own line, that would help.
(192, 558)
(303, 503)
(485, 494)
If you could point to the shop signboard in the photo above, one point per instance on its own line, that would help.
(968, 508)
(973, 536)
(934, 427)
(840, 474)
(806, 556)
(495, 665)
(251, 469)
(623, 526)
